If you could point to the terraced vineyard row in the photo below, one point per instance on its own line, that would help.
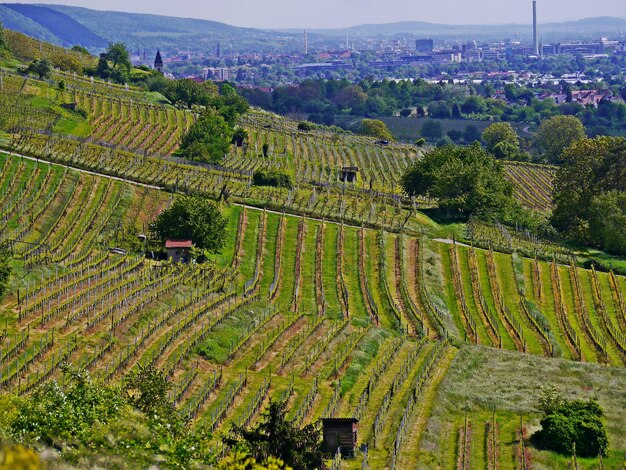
(377, 210)
(133, 125)
(316, 157)
(271, 334)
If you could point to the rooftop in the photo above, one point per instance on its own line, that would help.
(178, 244)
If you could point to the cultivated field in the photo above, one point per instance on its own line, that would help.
(337, 298)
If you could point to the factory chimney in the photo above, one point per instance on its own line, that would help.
(535, 43)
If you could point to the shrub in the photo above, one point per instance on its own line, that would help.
(305, 126)
(574, 426)
(271, 177)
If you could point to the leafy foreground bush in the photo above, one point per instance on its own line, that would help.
(133, 424)
(571, 427)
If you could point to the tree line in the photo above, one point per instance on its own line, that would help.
(325, 101)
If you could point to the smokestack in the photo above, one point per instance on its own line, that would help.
(535, 43)
(306, 43)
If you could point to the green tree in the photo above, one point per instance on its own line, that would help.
(376, 128)
(607, 221)
(228, 103)
(118, 54)
(500, 133)
(473, 104)
(276, 436)
(574, 426)
(471, 134)
(558, 133)
(5, 267)
(103, 69)
(465, 180)
(157, 83)
(432, 129)
(192, 218)
(350, 97)
(591, 168)
(185, 93)
(208, 139)
(41, 68)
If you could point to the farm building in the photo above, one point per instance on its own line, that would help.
(349, 174)
(340, 433)
(179, 250)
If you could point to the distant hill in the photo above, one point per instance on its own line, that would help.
(589, 28)
(67, 26)
(64, 27)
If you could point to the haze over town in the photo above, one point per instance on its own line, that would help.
(344, 13)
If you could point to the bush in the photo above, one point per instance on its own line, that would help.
(271, 177)
(573, 426)
(305, 126)
(376, 128)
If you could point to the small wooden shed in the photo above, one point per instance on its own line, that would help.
(349, 174)
(179, 250)
(340, 433)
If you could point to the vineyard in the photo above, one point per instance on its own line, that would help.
(337, 298)
(133, 125)
(121, 118)
(337, 319)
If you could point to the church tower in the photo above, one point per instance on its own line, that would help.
(158, 62)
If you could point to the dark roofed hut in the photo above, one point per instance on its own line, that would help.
(340, 433)
(349, 174)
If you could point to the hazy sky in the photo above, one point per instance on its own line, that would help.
(341, 13)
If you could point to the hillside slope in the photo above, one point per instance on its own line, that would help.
(67, 29)
(11, 19)
(66, 25)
